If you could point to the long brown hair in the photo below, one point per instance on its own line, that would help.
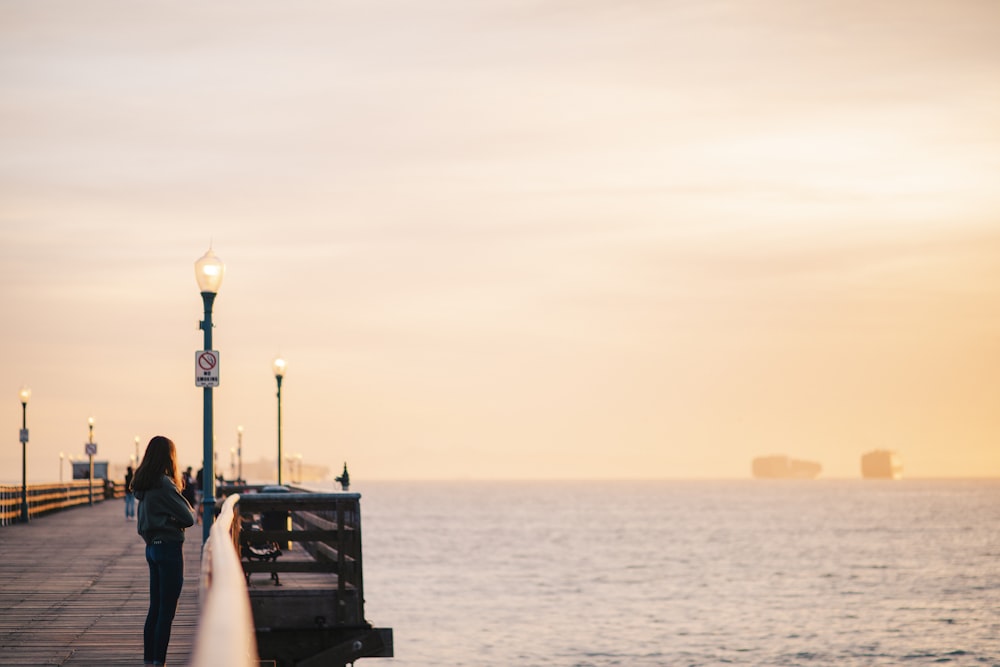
(160, 459)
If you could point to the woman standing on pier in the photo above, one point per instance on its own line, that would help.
(163, 516)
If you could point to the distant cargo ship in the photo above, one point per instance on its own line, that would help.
(783, 467)
(881, 464)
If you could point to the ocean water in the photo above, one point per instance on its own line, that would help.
(752, 572)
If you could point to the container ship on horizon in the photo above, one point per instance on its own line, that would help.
(881, 464)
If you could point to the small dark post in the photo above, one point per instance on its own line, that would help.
(344, 479)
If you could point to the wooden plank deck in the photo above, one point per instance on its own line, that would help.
(74, 590)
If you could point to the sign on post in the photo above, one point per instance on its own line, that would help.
(90, 448)
(206, 368)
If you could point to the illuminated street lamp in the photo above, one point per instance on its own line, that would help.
(279, 372)
(24, 395)
(208, 271)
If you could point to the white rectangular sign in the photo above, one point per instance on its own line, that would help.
(206, 368)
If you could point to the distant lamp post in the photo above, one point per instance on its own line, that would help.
(279, 373)
(298, 466)
(91, 449)
(24, 395)
(232, 463)
(208, 271)
(239, 452)
(136, 451)
(62, 456)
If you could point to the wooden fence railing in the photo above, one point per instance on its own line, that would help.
(226, 632)
(328, 527)
(45, 498)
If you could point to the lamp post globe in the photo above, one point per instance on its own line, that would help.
(279, 366)
(23, 395)
(208, 272)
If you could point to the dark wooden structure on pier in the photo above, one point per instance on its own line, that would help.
(309, 610)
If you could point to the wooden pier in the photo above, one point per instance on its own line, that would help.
(74, 590)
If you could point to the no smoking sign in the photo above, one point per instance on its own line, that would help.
(206, 368)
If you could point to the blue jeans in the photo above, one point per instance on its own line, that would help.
(129, 506)
(166, 577)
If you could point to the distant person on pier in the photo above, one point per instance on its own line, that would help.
(129, 495)
(163, 516)
(199, 491)
(189, 488)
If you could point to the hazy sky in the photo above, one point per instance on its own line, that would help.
(524, 238)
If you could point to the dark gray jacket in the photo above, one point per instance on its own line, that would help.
(163, 513)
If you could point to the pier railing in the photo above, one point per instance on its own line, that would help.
(226, 631)
(45, 498)
(328, 528)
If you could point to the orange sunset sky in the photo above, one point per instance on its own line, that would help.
(506, 239)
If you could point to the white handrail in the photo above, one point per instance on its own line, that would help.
(226, 636)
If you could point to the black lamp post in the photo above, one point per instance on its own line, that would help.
(279, 372)
(239, 452)
(208, 272)
(91, 450)
(24, 394)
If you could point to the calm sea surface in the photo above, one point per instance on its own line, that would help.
(685, 573)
